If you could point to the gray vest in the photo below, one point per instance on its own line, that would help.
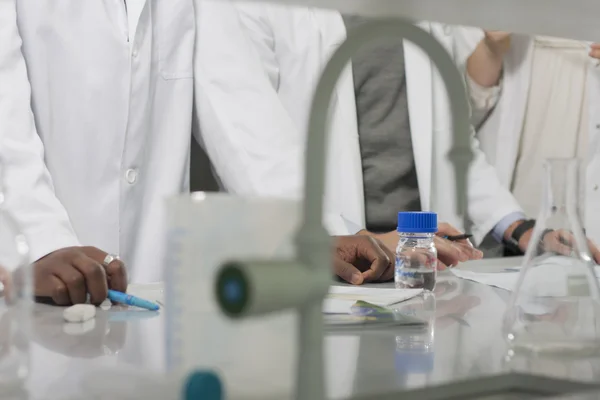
(389, 173)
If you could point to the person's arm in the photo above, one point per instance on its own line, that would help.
(253, 144)
(492, 207)
(63, 272)
(249, 138)
(484, 66)
(483, 74)
(29, 193)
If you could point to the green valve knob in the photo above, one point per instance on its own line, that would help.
(232, 290)
(202, 385)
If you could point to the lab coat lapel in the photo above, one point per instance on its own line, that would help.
(420, 108)
(332, 33)
(344, 132)
(117, 14)
(512, 105)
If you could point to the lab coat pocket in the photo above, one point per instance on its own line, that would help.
(175, 27)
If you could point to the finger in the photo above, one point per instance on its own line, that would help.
(448, 253)
(372, 251)
(116, 272)
(55, 289)
(49, 286)
(595, 251)
(117, 276)
(74, 281)
(388, 274)
(558, 243)
(595, 53)
(95, 278)
(441, 266)
(347, 271)
(471, 252)
(59, 292)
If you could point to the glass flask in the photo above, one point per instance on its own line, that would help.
(16, 304)
(555, 309)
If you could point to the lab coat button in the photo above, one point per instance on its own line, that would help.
(595, 188)
(131, 176)
(134, 53)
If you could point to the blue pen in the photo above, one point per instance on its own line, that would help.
(124, 298)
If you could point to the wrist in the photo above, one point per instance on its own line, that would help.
(511, 228)
(518, 234)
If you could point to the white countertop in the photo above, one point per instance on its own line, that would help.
(256, 358)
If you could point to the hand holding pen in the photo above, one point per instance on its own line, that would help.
(454, 246)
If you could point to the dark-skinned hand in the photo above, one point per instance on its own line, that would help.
(67, 275)
(360, 258)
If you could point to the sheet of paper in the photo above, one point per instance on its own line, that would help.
(339, 301)
(502, 280)
(506, 280)
(337, 306)
(377, 296)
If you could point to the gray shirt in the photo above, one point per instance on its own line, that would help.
(389, 173)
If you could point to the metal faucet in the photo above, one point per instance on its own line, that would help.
(250, 288)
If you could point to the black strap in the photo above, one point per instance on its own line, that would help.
(512, 243)
(521, 229)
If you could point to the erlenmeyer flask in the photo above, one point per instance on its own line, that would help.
(555, 307)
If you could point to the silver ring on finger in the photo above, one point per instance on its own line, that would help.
(109, 259)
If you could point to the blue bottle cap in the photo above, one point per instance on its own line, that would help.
(203, 385)
(417, 222)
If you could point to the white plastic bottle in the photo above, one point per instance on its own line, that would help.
(416, 255)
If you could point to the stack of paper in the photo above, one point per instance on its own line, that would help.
(341, 298)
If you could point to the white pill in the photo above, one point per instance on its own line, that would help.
(106, 305)
(79, 313)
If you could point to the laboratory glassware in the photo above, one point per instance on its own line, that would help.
(555, 307)
(16, 302)
(416, 255)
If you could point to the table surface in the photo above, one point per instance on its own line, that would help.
(467, 343)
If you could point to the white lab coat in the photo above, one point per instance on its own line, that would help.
(500, 134)
(114, 115)
(114, 121)
(295, 44)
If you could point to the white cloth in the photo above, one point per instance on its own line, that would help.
(556, 116)
(500, 134)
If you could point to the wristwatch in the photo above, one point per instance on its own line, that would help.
(512, 243)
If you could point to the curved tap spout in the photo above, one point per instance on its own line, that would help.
(312, 242)
(265, 286)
